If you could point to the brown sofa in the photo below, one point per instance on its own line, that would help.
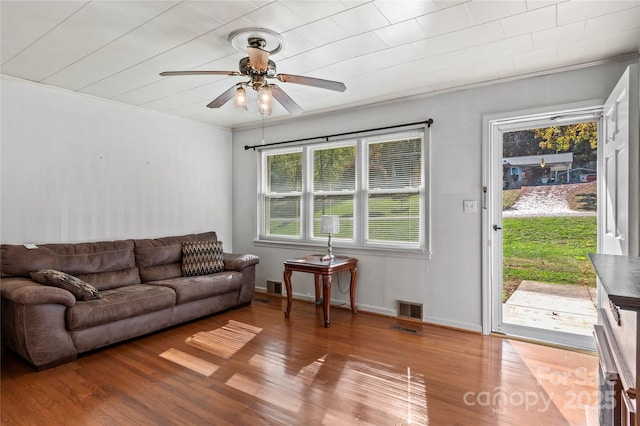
(141, 286)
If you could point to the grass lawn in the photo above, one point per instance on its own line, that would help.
(548, 249)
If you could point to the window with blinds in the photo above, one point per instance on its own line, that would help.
(283, 194)
(393, 190)
(375, 184)
(334, 187)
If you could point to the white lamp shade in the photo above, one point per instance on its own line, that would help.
(329, 224)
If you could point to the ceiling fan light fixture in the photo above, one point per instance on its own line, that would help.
(265, 100)
(240, 99)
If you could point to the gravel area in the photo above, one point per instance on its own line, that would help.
(548, 200)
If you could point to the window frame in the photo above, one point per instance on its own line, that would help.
(361, 193)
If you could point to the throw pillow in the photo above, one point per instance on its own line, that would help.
(202, 258)
(82, 290)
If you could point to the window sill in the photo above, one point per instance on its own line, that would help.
(347, 249)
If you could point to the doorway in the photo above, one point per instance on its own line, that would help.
(545, 288)
(617, 198)
(618, 177)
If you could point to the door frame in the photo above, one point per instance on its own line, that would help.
(491, 210)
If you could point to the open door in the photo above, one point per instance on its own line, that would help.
(620, 158)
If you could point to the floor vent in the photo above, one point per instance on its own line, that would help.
(410, 310)
(261, 300)
(274, 287)
(404, 329)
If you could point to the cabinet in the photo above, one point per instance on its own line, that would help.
(617, 337)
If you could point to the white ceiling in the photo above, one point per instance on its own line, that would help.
(380, 49)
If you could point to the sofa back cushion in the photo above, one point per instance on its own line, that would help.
(161, 258)
(19, 261)
(105, 264)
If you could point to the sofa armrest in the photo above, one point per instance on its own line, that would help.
(25, 291)
(237, 262)
(33, 322)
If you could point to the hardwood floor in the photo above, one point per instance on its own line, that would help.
(365, 369)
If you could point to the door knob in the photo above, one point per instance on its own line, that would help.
(496, 227)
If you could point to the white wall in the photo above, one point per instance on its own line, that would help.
(76, 168)
(448, 284)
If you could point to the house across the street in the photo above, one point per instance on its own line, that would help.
(536, 169)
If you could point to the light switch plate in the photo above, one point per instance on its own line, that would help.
(470, 206)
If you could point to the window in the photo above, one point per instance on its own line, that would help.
(375, 184)
(283, 201)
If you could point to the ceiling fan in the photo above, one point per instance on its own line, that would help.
(259, 68)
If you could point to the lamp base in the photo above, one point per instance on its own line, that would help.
(328, 257)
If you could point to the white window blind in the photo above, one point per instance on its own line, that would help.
(334, 185)
(283, 195)
(375, 184)
(393, 190)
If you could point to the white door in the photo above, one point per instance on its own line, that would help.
(619, 188)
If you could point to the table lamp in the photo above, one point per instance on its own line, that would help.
(329, 225)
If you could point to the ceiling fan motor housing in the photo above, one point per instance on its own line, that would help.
(246, 68)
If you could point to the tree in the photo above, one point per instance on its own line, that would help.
(581, 139)
(285, 172)
(522, 143)
(333, 168)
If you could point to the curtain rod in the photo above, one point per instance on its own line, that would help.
(429, 122)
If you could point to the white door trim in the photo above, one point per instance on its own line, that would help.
(490, 151)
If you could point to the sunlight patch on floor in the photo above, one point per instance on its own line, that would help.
(191, 362)
(264, 392)
(308, 373)
(226, 340)
(574, 391)
(377, 385)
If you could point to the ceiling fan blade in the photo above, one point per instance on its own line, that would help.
(224, 98)
(258, 58)
(170, 73)
(284, 99)
(310, 81)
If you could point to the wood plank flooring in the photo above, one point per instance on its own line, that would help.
(365, 370)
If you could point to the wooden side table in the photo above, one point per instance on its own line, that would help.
(322, 268)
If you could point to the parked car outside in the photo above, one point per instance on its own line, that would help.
(588, 178)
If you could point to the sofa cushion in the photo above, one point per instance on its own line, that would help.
(100, 263)
(188, 289)
(119, 303)
(19, 261)
(112, 279)
(202, 258)
(91, 258)
(81, 290)
(161, 258)
(104, 264)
